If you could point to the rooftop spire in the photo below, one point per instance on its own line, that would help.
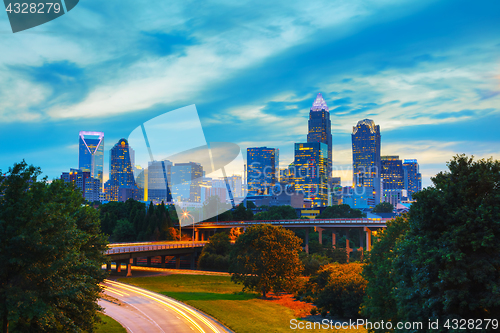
(319, 104)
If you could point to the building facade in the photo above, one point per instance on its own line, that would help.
(393, 179)
(185, 180)
(367, 161)
(159, 180)
(310, 171)
(262, 169)
(320, 129)
(121, 170)
(91, 154)
(412, 177)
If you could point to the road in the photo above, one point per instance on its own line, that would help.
(140, 310)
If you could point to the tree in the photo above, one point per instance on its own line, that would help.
(241, 213)
(277, 213)
(383, 207)
(380, 300)
(124, 232)
(215, 254)
(340, 211)
(449, 262)
(266, 258)
(51, 250)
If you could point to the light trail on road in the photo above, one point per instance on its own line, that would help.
(194, 320)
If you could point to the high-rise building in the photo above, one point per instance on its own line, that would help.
(158, 181)
(393, 179)
(121, 171)
(412, 177)
(310, 171)
(262, 169)
(235, 182)
(366, 160)
(91, 154)
(320, 129)
(185, 180)
(90, 187)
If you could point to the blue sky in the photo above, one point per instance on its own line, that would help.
(427, 72)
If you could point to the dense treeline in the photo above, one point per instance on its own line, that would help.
(130, 221)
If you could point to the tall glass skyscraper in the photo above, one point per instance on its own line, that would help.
(262, 169)
(310, 171)
(366, 159)
(121, 171)
(320, 129)
(185, 181)
(392, 173)
(412, 177)
(159, 181)
(91, 154)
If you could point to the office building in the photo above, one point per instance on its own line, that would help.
(158, 181)
(121, 171)
(91, 154)
(366, 160)
(186, 179)
(393, 179)
(89, 187)
(310, 172)
(412, 177)
(320, 129)
(262, 169)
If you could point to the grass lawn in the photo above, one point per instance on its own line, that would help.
(109, 325)
(222, 299)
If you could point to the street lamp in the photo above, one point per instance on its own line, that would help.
(185, 214)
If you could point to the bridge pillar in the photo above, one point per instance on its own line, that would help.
(149, 261)
(307, 240)
(177, 262)
(196, 234)
(129, 267)
(334, 239)
(202, 235)
(163, 265)
(347, 247)
(119, 267)
(320, 234)
(368, 238)
(193, 264)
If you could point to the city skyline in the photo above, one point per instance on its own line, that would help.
(434, 89)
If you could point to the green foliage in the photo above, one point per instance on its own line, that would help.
(338, 288)
(241, 213)
(277, 213)
(383, 207)
(312, 263)
(251, 205)
(266, 258)
(380, 301)
(215, 254)
(51, 250)
(124, 232)
(449, 262)
(340, 211)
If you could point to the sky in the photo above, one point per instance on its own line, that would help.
(427, 72)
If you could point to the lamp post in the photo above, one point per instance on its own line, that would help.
(185, 214)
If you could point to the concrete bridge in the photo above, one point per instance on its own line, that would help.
(366, 226)
(127, 253)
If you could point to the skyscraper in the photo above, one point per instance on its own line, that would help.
(366, 159)
(121, 171)
(310, 168)
(320, 129)
(412, 177)
(185, 181)
(393, 179)
(262, 169)
(158, 181)
(91, 154)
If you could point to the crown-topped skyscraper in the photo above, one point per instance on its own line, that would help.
(320, 129)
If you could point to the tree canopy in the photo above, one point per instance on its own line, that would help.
(383, 207)
(277, 213)
(340, 211)
(51, 252)
(266, 258)
(444, 263)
